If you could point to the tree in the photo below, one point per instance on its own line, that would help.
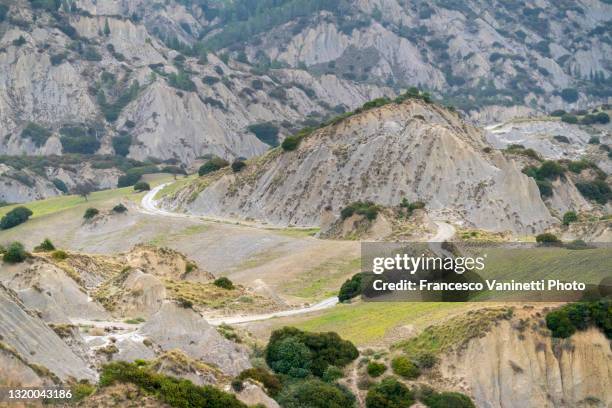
(142, 186)
(119, 208)
(238, 165)
(15, 253)
(90, 213)
(16, 216)
(214, 164)
(569, 217)
(45, 246)
(389, 393)
(569, 95)
(404, 367)
(290, 356)
(224, 283)
(376, 369)
(547, 238)
(84, 189)
(106, 28)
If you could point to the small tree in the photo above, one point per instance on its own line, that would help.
(45, 246)
(107, 30)
(16, 216)
(142, 186)
(90, 213)
(238, 165)
(376, 369)
(547, 238)
(120, 208)
(404, 367)
(83, 190)
(214, 164)
(569, 217)
(224, 283)
(15, 253)
(389, 393)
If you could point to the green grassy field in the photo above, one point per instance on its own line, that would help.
(175, 186)
(61, 203)
(368, 322)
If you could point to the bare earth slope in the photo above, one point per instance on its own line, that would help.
(414, 150)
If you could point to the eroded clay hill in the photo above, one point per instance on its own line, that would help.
(411, 150)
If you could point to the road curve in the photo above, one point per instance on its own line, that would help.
(149, 206)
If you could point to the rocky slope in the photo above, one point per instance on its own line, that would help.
(412, 150)
(518, 364)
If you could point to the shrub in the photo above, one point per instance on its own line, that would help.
(602, 117)
(237, 385)
(45, 246)
(410, 207)
(49, 5)
(571, 119)
(545, 187)
(376, 369)
(59, 255)
(319, 351)
(60, 185)
(290, 143)
(568, 319)
(448, 400)
(181, 81)
(119, 208)
(332, 373)
(16, 216)
(90, 213)
(594, 140)
(78, 139)
(558, 113)
(425, 359)
(569, 217)
(3, 12)
(597, 190)
(121, 145)
(366, 208)
(36, 133)
(569, 95)
(315, 394)
(238, 165)
(224, 283)
(18, 42)
(270, 381)
(15, 253)
(134, 174)
(550, 170)
(403, 367)
(267, 132)
(214, 164)
(142, 186)
(389, 393)
(547, 238)
(173, 391)
(351, 288)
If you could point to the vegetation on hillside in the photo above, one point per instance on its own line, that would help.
(573, 317)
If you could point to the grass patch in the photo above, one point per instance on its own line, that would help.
(368, 322)
(323, 280)
(297, 232)
(454, 333)
(175, 186)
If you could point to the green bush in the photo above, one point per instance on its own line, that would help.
(319, 351)
(316, 394)
(547, 238)
(36, 133)
(142, 186)
(545, 187)
(214, 164)
(569, 95)
(238, 165)
(568, 319)
(121, 144)
(594, 140)
(571, 119)
(134, 174)
(15, 253)
(175, 392)
(366, 208)
(49, 5)
(448, 400)
(224, 283)
(270, 381)
(410, 207)
(59, 255)
(405, 368)
(351, 288)
(266, 132)
(181, 81)
(119, 208)
(550, 170)
(332, 373)
(425, 359)
(90, 213)
(16, 216)
(389, 393)
(376, 369)
(45, 246)
(569, 217)
(78, 139)
(597, 190)
(60, 185)
(290, 143)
